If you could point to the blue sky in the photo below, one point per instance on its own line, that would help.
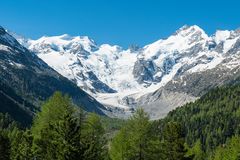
(121, 22)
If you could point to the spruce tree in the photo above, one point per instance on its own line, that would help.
(133, 140)
(173, 140)
(57, 130)
(68, 132)
(197, 151)
(94, 141)
(119, 145)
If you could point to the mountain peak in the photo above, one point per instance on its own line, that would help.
(186, 30)
(119, 78)
(184, 27)
(68, 37)
(64, 42)
(221, 35)
(2, 30)
(8, 39)
(65, 37)
(188, 27)
(191, 34)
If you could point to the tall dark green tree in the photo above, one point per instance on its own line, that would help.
(57, 130)
(119, 145)
(68, 132)
(133, 141)
(94, 140)
(196, 152)
(173, 141)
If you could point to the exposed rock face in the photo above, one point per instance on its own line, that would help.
(26, 81)
(144, 71)
(179, 68)
(162, 101)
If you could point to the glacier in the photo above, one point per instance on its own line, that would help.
(120, 78)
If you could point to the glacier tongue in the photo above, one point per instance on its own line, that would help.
(119, 78)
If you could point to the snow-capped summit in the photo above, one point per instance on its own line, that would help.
(186, 29)
(221, 36)
(109, 49)
(26, 81)
(63, 43)
(8, 40)
(119, 78)
(184, 38)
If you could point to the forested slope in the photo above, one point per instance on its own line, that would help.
(211, 119)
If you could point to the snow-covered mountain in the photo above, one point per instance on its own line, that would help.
(26, 81)
(124, 79)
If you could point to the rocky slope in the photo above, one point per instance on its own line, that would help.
(159, 77)
(26, 81)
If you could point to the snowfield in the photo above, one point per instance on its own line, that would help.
(110, 73)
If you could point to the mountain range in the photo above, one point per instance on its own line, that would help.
(26, 81)
(114, 81)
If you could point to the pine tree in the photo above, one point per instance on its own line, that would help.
(173, 142)
(119, 145)
(68, 132)
(57, 130)
(196, 151)
(139, 126)
(133, 140)
(95, 144)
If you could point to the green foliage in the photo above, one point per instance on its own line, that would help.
(119, 145)
(7, 127)
(21, 142)
(197, 151)
(132, 140)
(7, 123)
(94, 139)
(56, 130)
(61, 131)
(173, 141)
(138, 127)
(4, 147)
(206, 129)
(52, 111)
(141, 139)
(111, 125)
(211, 119)
(230, 151)
(45, 126)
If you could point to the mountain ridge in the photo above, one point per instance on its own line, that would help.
(26, 81)
(126, 79)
